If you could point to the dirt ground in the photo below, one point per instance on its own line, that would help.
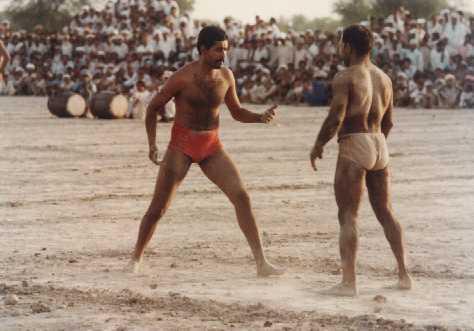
(73, 192)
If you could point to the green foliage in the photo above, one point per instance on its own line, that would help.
(418, 8)
(53, 15)
(354, 11)
(301, 23)
(186, 6)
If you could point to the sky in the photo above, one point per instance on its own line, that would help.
(245, 10)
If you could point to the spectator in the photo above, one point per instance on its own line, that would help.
(450, 92)
(467, 96)
(139, 101)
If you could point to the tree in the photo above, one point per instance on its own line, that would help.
(301, 23)
(418, 8)
(186, 6)
(353, 11)
(53, 15)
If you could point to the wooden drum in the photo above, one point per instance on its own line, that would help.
(109, 105)
(67, 104)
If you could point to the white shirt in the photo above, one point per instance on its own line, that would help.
(314, 49)
(261, 53)
(66, 48)
(285, 54)
(416, 58)
(302, 54)
(456, 34)
(437, 60)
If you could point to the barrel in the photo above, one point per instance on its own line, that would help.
(109, 105)
(67, 104)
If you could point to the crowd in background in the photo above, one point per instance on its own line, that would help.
(134, 42)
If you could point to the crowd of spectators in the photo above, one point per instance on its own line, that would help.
(133, 42)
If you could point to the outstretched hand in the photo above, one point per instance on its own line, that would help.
(316, 153)
(269, 115)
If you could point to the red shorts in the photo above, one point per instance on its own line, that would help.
(198, 145)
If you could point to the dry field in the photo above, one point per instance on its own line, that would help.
(73, 193)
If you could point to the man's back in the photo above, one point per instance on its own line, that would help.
(369, 92)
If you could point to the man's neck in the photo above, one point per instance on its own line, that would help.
(204, 68)
(360, 60)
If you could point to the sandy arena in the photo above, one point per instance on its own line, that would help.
(73, 193)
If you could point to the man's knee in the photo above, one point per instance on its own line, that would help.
(347, 217)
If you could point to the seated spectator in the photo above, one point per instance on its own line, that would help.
(467, 96)
(67, 84)
(430, 98)
(85, 87)
(7, 87)
(317, 93)
(450, 93)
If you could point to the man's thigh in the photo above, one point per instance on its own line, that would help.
(348, 184)
(174, 167)
(221, 170)
(378, 187)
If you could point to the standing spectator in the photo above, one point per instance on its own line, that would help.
(440, 56)
(139, 101)
(414, 54)
(455, 33)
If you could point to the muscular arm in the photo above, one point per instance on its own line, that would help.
(4, 57)
(232, 101)
(337, 111)
(156, 104)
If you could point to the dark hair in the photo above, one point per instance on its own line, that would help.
(209, 35)
(359, 38)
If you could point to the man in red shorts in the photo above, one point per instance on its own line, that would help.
(199, 89)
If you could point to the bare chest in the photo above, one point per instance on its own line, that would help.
(205, 93)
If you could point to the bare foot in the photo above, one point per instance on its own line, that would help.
(342, 290)
(267, 270)
(405, 283)
(134, 266)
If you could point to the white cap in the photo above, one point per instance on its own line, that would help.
(167, 74)
(449, 77)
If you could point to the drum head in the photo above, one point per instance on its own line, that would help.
(76, 105)
(119, 106)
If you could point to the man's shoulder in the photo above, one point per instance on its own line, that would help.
(226, 71)
(227, 74)
(382, 74)
(183, 73)
(343, 76)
